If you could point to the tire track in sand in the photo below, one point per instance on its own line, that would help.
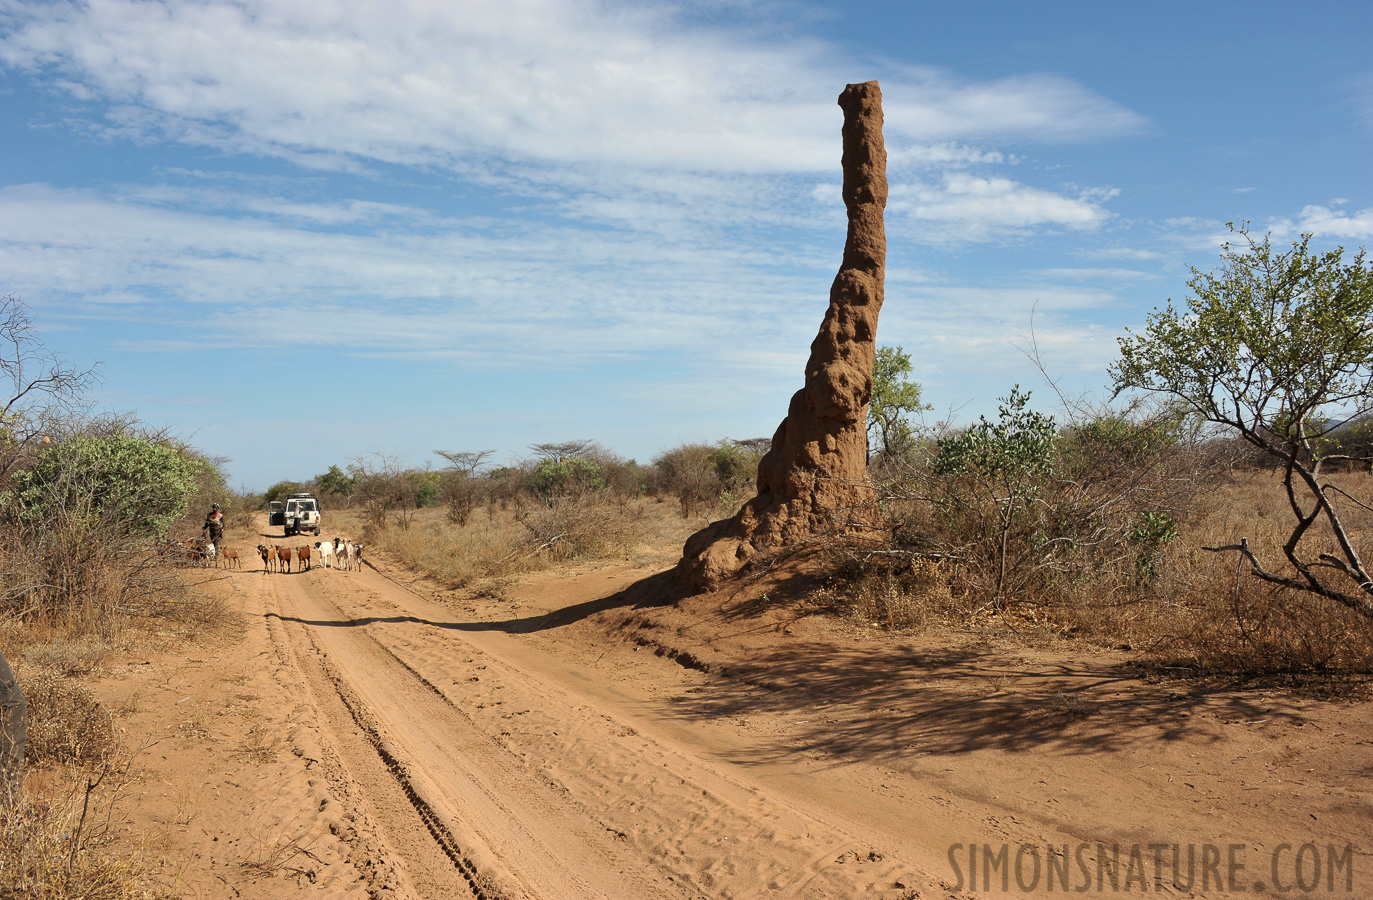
(511, 835)
(376, 805)
(700, 824)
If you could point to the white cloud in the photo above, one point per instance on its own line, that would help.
(535, 295)
(973, 207)
(1041, 106)
(461, 85)
(1329, 223)
(1140, 254)
(1096, 274)
(942, 156)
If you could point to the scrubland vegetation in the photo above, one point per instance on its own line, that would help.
(84, 503)
(1212, 517)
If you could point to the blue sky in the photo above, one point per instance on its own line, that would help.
(297, 233)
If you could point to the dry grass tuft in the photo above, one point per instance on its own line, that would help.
(67, 726)
(258, 746)
(910, 598)
(281, 856)
(196, 725)
(69, 657)
(61, 850)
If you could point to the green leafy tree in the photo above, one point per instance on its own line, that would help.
(999, 466)
(1278, 348)
(128, 483)
(570, 476)
(281, 490)
(424, 487)
(336, 482)
(894, 399)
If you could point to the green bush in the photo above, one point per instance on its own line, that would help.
(570, 476)
(716, 477)
(136, 485)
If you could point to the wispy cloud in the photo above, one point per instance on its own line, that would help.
(972, 207)
(1332, 223)
(557, 82)
(539, 295)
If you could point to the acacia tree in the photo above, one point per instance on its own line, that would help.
(1278, 347)
(894, 398)
(382, 487)
(458, 487)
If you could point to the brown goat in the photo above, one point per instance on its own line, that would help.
(302, 558)
(231, 560)
(284, 558)
(268, 557)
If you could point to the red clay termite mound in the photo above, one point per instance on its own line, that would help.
(814, 479)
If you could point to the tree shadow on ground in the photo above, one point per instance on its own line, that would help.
(889, 702)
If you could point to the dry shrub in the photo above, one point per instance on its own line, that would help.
(578, 527)
(1135, 573)
(1220, 618)
(912, 595)
(711, 478)
(461, 494)
(89, 579)
(1203, 612)
(68, 657)
(67, 726)
(62, 851)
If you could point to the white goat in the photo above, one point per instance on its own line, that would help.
(326, 553)
(344, 552)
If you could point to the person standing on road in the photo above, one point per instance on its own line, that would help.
(214, 526)
(14, 711)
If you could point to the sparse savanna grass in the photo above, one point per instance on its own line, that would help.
(60, 848)
(1203, 611)
(58, 843)
(282, 854)
(195, 724)
(1191, 609)
(1208, 612)
(531, 535)
(79, 657)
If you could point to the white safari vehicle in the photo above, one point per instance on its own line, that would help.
(301, 514)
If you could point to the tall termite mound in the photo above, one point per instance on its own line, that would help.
(814, 478)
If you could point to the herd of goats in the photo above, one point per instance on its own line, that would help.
(339, 553)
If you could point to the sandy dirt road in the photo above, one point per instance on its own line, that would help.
(490, 767)
(572, 739)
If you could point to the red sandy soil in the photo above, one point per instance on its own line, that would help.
(373, 735)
